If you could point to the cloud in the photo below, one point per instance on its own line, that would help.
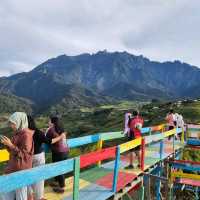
(34, 31)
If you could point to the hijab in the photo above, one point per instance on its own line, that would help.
(20, 120)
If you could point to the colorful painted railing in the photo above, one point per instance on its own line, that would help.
(193, 142)
(96, 138)
(193, 135)
(185, 173)
(80, 141)
(4, 155)
(16, 180)
(193, 131)
(194, 126)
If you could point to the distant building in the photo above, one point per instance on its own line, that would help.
(155, 108)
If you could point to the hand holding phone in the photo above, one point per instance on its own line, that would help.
(1, 136)
(5, 140)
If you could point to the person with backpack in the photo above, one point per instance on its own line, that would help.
(135, 124)
(59, 150)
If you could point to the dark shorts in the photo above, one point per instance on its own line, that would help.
(131, 137)
(170, 128)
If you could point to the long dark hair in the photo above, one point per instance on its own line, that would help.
(57, 125)
(31, 123)
(135, 113)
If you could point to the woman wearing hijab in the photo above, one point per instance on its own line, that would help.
(59, 150)
(21, 149)
(39, 156)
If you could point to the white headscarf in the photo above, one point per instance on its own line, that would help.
(20, 120)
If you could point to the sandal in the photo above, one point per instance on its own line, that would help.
(129, 167)
(59, 190)
(53, 184)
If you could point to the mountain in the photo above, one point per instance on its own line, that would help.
(48, 93)
(103, 71)
(91, 77)
(74, 98)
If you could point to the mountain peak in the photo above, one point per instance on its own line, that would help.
(103, 52)
(61, 56)
(118, 74)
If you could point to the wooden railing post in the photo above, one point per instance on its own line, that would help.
(150, 131)
(142, 154)
(164, 127)
(196, 193)
(4, 155)
(170, 183)
(187, 132)
(116, 170)
(161, 149)
(99, 147)
(183, 136)
(142, 192)
(174, 156)
(158, 182)
(76, 178)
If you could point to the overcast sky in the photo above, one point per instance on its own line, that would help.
(31, 31)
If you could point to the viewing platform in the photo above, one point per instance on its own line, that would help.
(101, 174)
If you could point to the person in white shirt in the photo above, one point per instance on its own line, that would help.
(126, 121)
(176, 116)
(180, 123)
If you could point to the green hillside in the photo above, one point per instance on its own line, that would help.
(106, 118)
(84, 121)
(10, 103)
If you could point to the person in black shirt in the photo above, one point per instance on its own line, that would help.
(59, 151)
(39, 137)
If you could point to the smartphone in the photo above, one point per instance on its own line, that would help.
(1, 137)
(1, 145)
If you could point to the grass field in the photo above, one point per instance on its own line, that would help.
(111, 118)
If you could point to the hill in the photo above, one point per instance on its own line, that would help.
(107, 118)
(10, 103)
(111, 117)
